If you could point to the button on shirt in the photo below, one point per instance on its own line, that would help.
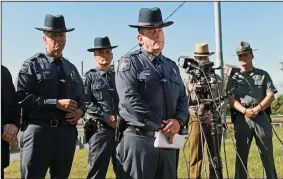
(101, 95)
(253, 88)
(38, 88)
(140, 90)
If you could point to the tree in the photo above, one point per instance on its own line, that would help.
(277, 105)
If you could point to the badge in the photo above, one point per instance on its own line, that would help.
(24, 68)
(258, 77)
(125, 65)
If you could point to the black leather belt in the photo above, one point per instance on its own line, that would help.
(52, 122)
(139, 131)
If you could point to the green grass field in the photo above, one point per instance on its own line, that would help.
(79, 169)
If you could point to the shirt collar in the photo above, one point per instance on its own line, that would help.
(100, 71)
(152, 57)
(251, 73)
(51, 58)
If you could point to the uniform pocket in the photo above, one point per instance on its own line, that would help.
(98, 89)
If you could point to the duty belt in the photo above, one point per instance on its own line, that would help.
(100, 124)
(52, 122)
(140, 131)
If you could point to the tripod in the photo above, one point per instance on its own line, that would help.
(216, 131)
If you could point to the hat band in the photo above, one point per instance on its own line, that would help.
(245, 50)
(149, 23)
(203, 53)
(52, 28)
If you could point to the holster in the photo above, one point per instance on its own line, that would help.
(121, 126)
(233, 113)
(24, 119)
(90, 128)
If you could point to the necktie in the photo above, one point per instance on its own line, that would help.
(111, 91)
(61, 79)
(166, 88)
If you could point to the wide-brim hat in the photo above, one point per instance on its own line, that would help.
(54, 24)
(101, 43)
(202, 50)
(244, 47)
(151, 18)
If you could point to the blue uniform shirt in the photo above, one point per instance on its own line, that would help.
(38, 86)
(140, 90)
(101, 94)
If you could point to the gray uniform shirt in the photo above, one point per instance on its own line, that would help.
(38, 87)
(141, 93)
(101, 97)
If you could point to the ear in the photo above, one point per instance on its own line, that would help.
(140, 39)
(111, 55)
(44, 38)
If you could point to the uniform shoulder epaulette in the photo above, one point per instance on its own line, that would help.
(90, 71)
(126, 60)
(65, 59)
(34, 57)
(136, 52)
(259, 70)
(27, 62)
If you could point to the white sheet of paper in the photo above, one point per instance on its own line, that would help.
(162, 142)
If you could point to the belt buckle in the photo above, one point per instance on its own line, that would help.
(54, 123)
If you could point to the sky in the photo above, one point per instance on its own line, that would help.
(259, 23)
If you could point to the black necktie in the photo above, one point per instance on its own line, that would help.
(166, 88)
(110, 84)
(61, 78)
(112, 91)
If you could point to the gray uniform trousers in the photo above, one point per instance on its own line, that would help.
(260, 128)
(101, 149)
(43, 146)
(137, 158)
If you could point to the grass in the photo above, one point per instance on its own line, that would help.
(79, 169)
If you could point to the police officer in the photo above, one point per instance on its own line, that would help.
(10, 118)
(51, 93)
(102, 109)
(152, 98)
(251, 101)
(199, 127)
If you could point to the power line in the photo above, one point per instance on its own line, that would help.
(164, 21)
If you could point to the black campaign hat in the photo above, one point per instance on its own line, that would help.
(151, 18)
(101, 43)
(244, 47)
(54, 24)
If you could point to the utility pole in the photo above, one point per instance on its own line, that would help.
(82, 68)
(282, 66)
(218, 38)
(217, 128)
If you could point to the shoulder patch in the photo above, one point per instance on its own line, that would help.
(124, 65)
(173, 72)
(24, 67)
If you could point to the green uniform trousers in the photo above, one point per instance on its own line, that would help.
(260, 128)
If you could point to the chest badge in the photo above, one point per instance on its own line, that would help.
(258, 77)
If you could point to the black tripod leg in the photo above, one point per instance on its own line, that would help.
(216, 138)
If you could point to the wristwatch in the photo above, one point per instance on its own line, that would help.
(181, 123)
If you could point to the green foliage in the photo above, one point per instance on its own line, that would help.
(277, 105)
